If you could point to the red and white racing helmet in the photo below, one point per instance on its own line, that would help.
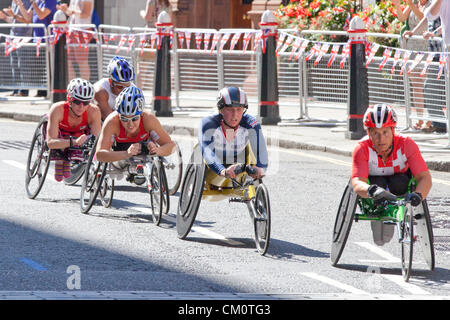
(380, 116)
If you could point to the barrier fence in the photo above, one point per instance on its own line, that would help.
(312, 73)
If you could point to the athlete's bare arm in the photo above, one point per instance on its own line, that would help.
(101, 98)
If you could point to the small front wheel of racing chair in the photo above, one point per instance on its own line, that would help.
(159, 191)
(173, 165)
(92, 182)
(38, 161)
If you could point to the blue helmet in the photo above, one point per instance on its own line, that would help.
(120, 70)
(232, 97)
(130, 101)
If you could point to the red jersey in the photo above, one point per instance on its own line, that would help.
(67, 130)
(405, 155)
(141, 136)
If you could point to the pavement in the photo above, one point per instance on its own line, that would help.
(323, 130)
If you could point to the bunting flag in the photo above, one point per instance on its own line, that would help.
(57, 32)
(17, 43)
(206, 41)
(264, 35)
(427, 64)
(286, 44)
(315, 49)
(223, 41)
(76, 36)
(86, 41)
(106, 39)
(396, 60)
(323, 50)
(188, 40)
(69, 40)
(405, 61)
(122, 41)
(246, 41)
(417, 59)
(153, 41)
(7, 43)
(181, 38)
(198, 39)
(373, 51)
(442, 60)
(302, 49)
(38, 44)
(131, 41)
(334, 52)
(142, 41)
(280, 42)
(257, 39)
(345, 54)
(235, 40)
(295, 47)
(214, 42)
(386, 55)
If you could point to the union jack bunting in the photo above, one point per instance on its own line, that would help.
(323, 50)
(315, 49)
(302, 49)
(280, 42)
(334, 52)
(214, 42)
(442, 61)
(427, 63)
(396, 59)
(405, 61)
(345, 54)
(386, 55)
(295, 47)
(417, 59)
(246, 40)
(235, 40)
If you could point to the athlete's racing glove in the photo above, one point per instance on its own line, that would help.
(376, 192)
(414, 197)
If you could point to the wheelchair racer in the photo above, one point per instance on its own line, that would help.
(121, 74)
(388, 160)
(70, 122)
(127, 126)
(223, 137)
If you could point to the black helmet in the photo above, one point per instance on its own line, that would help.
(232, 97)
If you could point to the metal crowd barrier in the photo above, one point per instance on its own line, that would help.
(198, 73)
(24, 62)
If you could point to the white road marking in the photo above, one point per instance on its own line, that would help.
(15, 164)
(204, 231)
(24, 168)
(405, 285)
(386, 255)
(334, 283)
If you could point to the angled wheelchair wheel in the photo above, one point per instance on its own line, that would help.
(343, 222)
(38, 161)
(407, 243)
(77, 171)
(159, 192)
(190, 197)
(262, 219)
(424, 232)
(94, 174)
(173, 166)
(107, 191)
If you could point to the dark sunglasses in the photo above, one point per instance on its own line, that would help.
(125, 119)
(78, 102)
(120, 86)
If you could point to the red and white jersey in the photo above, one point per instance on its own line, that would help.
(405, 155)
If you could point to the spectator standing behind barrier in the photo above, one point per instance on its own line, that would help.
(41, 11)
(79, 12)
(17, 57)
(152, 10)
(412, 15)
(441, 10)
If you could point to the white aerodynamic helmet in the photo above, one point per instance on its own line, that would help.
(80, 89)
(130, 102)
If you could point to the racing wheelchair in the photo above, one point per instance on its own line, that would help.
(413, 224)
(200, 182)
(145, 168)
(40, 156)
